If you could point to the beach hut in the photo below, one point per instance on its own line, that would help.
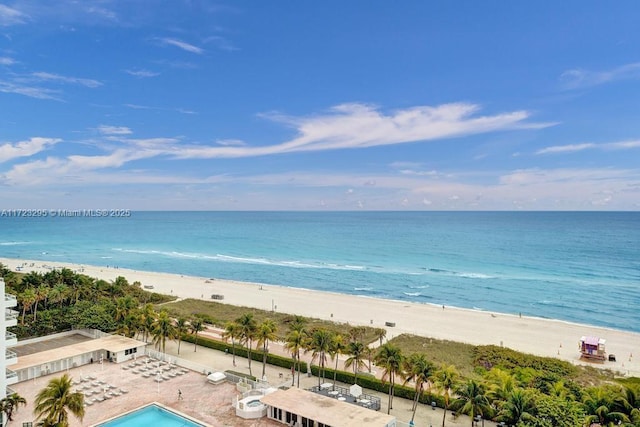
(592, 348)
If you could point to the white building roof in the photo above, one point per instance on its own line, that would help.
(326, 410)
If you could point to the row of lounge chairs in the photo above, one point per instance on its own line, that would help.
(105, 396)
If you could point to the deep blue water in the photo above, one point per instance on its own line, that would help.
(576, 266)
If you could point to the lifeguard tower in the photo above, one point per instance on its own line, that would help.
(592, 348)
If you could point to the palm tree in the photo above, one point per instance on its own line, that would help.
(266, 332)
(53, 401)
(10, 404)
(28, 298)
(337, 347)
(519, 406)
(148, 319)
(381, 334)
(296, 340)
(41, 294)
(196, 325)
(445, 379)
(628, 401)
(472, 400)
(318, 344)
(419, 370)
(248, 327)
(599, 405)
(232, 331)
(389, 357)
(124, 306)
(181, 328)
(356, 333)
(297, 323)
(501, 385)
(357, 351)
(163, 329)
(58, 294)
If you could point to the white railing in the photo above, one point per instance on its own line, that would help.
(10, 300)
(11, 374)
(9, 355)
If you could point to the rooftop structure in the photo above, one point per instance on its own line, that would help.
(105, 349)
(308, 409)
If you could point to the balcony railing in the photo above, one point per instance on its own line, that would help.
(10, 300)
(10, 336)
(10, 355)
(11, 374)
(10, 314)
(10, 391)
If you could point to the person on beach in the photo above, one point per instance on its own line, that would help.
(179, 394)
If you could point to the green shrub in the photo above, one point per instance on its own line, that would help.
(489, 356)
(272, 359)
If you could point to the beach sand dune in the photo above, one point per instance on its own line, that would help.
(543, 337)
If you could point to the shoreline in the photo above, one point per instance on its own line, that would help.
(536, 335)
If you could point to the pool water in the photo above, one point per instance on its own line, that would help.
(254, 403)
(151, 415)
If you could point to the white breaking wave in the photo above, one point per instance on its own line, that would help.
(243, 260)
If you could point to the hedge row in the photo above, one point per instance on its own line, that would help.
(364, 380)
(272, 359)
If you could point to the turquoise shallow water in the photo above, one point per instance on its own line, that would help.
(575, 266)
(151, 415)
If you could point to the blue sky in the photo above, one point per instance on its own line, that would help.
(327, 105)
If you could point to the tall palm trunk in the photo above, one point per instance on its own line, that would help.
(390, 393)
(415, 401)
(264, 357)
(299, 368)
(249, 355)
(293, 374)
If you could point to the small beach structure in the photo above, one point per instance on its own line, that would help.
(592, 348)
(216, 378)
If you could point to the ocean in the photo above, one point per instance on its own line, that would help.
(576, 266)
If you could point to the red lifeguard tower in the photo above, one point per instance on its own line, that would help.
(592, 348)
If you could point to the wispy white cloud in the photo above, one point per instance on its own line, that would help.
(624, 145)
(571, 148)
(182, 45)
(580, 78)
(221, 43)
(9, 151)
(566, 148)
(142, 73)
(5, 60)
(231, 142)
(114, 130)
(359, 126)
(30, 91)
(148, 107)
(43, 76)
(10, 16)
(102, 12)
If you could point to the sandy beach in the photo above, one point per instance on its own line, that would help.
(544, 337)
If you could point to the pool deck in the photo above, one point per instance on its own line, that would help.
(202, 400)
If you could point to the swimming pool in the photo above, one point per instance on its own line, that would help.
(151, 415)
